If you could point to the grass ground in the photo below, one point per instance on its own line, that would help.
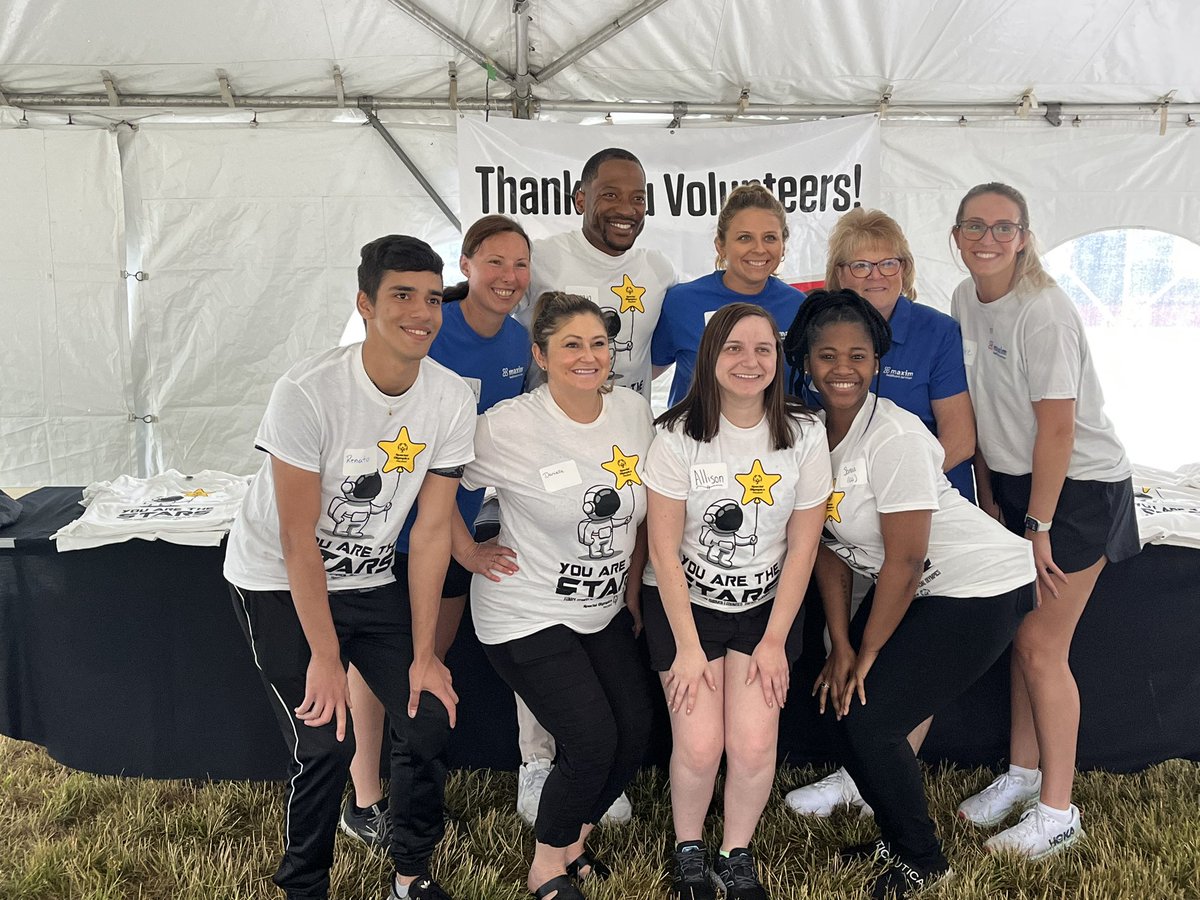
(67, 835)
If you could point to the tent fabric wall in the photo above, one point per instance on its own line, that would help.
(1077, 181)
(64, 337)
(250, 237)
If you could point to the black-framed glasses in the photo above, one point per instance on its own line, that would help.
(1003, 232)
(860, 268)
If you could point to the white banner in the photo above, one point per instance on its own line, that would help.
(818, 170)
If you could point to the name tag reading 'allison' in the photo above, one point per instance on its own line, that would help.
(709, 476)
(560, 475)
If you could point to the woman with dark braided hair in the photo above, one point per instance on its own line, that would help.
(951, 584)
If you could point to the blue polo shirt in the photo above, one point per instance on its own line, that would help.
(688, 307)
(925, 363)
(494, 368)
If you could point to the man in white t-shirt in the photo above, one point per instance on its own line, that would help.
(601, 263)
(628, 283)
(355, 437)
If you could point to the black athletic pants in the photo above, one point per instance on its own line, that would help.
(375, 633)
(939, 649)
(593, 693)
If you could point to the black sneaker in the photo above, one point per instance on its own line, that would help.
(901, 879)
(424, 888)
(877, 850)
(737, 873)
(371, 826)
(691, 876)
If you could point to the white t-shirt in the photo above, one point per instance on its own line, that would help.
(629, 290)
(739, 496)
(889, 462)
(1025, 347)
(372, 452)
(182, 509)
(572, 498)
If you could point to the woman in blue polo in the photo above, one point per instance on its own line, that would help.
(922, 372)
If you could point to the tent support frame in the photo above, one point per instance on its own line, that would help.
(410, 165)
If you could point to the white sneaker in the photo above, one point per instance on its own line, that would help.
(822, 797)
(1036, 835)
(619, 813)
(531, 778)
(995, 802)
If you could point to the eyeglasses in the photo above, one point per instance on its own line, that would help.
(1003, 232)
(860, 268)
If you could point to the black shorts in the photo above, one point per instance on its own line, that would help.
(458, 579)
(718, 631)
(1094, 519)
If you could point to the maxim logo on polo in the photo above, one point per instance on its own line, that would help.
(512, 371)
(997, 350)
(904, 374)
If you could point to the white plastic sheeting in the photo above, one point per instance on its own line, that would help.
(63, 327)
(250, 237)
(819, 51)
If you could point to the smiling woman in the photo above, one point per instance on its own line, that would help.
(750, 242)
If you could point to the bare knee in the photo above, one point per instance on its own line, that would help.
(751, 752)
(697, 754)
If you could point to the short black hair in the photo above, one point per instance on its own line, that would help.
(821, 308)
(394, 253)
(591, 168)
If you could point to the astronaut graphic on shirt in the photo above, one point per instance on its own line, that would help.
(600, 504)
(352, 511)
(720, 535)
(612, 324)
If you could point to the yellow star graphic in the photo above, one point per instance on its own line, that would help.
(198, 492)
(831, 506)
(623, 467)
(630, 295)
(401, 452)
(756, 485)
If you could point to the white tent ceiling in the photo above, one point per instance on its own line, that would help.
(249, 235)
(824, 52)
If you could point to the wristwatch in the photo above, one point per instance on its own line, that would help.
(1032, 524)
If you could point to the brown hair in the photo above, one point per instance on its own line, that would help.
(700, 409)
(859, 228)
(1029, 272)
(480, 231)
(552, 310)
(748, 196)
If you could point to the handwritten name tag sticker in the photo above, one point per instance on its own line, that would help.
(969, 350)
(588, 291)
(851, 472)
(709, 476)
(560, 475)
(358, 462)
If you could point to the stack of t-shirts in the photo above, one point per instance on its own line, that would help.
(1168, 505)
(183, 509)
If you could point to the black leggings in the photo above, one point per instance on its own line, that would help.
(939, 649)
(593, 693)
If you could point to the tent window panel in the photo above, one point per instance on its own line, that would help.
(1138, 291)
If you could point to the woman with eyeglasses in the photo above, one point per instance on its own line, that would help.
(1051, 468)
(922, 372)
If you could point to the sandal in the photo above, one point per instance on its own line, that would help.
(565, 887)
(600, 870)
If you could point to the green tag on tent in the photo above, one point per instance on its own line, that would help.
(491, 70)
